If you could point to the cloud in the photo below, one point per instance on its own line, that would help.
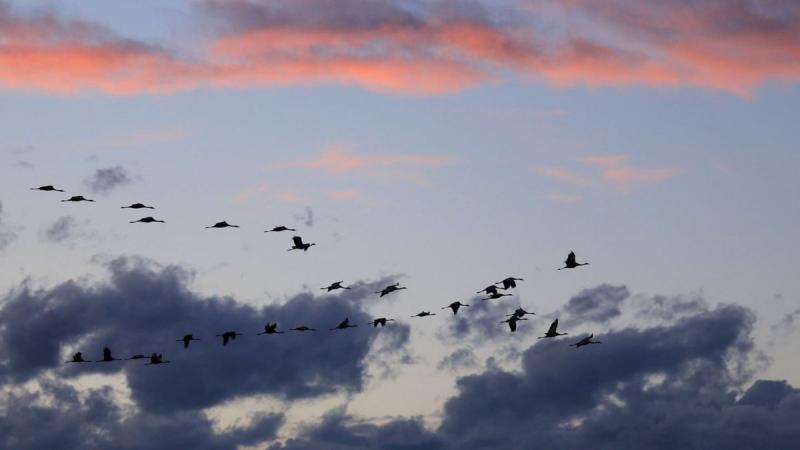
(307, 218)
(566, 176)
(661, 387)
(615, 171)
(64, 228)
(106, 180)
(337, 160)
(481, 322)
(144, 308)
(7, 236)
(599, 304)
(346, 195)
(461, 358)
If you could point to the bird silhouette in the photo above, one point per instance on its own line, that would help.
(228, 336)
(389, 289)
(186, 339)
(424, 314)
(495, 296)
(78, 358)
(148, 219)
(552, 331)
(585, 341)
(156, 359)
(223, 224)
(380, 321)
(488, 290)
(303, 328)
(299, 245)
(334, 286)
(107, 356)
(271, 328)
(278, 229)
(509, 283)
(137, 206)
(343, 324)
(570, 262)
(48, 188)
(77, 198)
(455, 306)
(512, 322)
(136, 357)
(519, 313)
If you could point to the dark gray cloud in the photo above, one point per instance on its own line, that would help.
(7, 236)
(106, 180)
(57, 417)
(144, 308)
(482, 321)
(459, 359)
(663, 387)
(63, 229)
(598, 304)
(669, 308)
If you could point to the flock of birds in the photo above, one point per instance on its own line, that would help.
(492, 292)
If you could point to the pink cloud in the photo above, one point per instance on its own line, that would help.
(604, 160)
(565, 175)
(633, 175)
(337, 160)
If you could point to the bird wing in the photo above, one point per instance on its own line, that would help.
(570, 258)
(513, 325)
(225, 339)
(553, 327)
(298, 241)
(344, 323)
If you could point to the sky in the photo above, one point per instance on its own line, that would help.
(444, 145)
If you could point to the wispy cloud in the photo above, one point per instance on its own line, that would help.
(346, 195)
(338, 160)
(612, 170)
(565, 175)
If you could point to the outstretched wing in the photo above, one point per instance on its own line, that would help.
(344, 323)
(513, 325)
(553, 327)
(298, 241)
(570, 259)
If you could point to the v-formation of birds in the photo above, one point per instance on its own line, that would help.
(492, 293)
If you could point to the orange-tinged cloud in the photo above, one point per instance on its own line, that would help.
(337, 160)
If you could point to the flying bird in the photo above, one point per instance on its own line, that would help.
(343, 324)
(136, 357)
(570, 262)
(77, 198)
(300, 245)
(148, 219)
(156, 359)
(552, 331)
(509, 283)
(107, 356)
(271, 328)
(512, 322)
(228, 336)
(279, 229)
(519, 313)
(389, 289)
(495, 296)
(334, 286)
(48, 188)
(424, 314)
(137, 206)
(488, 290)
(186, 339)
(585, 341)
(78, 358)
(303, 328)
(380, 321)
(223, 224)
(455, 306)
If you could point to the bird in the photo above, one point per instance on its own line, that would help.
(107, 356)
(495, 296)
(279, 228)
(48, 188)
(570, 262)
(77, 198)
(303, 328)
(228, 336)
(334, 286)
(136, 357)
(78, 358)
(389, 289)
(271, 328)
(455, 306)
(148, 219)
(512, 322)
(186, 339)
(519, 313)
(552, 331)
(137, 206)
(156, 359)
(343, 324)
(585, 341)
(424, 314)
(223, 224)
(509, 283)
(489, 290)
(299, 244)
(380, 321)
